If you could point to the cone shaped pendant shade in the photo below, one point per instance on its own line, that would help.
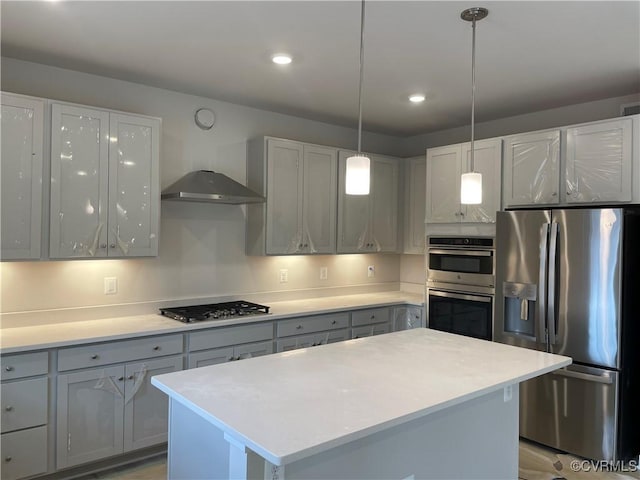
(358, 166)
(471, 182)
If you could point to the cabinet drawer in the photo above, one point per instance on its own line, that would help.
(304, 341)
(24, 365)
(370, 330)
(367, 317)
(24, 404)
(227, 354)
(297, 326)
(118, 352)
(224, 337)
(24, 453)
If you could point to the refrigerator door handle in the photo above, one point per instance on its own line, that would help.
(551, 297)
(542, 290)
(606, 378)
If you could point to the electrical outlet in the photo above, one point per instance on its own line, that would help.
(284, 275)
(371, 271)
(324, 273)
(110, 285)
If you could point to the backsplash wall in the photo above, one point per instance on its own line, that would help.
(201, 245)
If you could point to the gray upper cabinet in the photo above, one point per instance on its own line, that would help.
(445, 165)
(415, 185)
(22, 148)
(300, 183)
(105, 196)
(578, 164)
(369, 223)
(531, 169)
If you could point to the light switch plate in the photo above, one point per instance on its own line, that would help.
(284, 275)
(324, 273)
(110, 285)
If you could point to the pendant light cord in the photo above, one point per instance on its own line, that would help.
(361, 80)
(473, 89)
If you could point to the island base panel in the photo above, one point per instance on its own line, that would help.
(475, 439)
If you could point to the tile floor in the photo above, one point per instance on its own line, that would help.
(536, 463)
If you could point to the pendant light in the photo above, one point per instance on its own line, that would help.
(471, 182)
(358, 166)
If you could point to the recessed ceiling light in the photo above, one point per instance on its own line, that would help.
(281, 59)
(416, 98)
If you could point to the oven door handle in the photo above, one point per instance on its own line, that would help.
(460, 296)
(470, 253)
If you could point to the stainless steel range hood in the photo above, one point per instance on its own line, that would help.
(210, 187)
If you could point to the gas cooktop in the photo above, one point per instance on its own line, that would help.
(215, 311)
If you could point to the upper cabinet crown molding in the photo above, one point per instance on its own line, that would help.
(22, 165)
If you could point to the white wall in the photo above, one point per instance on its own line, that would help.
(201, 246)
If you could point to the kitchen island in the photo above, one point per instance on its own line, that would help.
(412, 404)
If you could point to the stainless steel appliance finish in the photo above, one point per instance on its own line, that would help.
(210, 187)
(460, 285)
(215, 311)
(567, 282)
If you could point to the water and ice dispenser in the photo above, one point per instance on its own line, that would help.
(520, 308)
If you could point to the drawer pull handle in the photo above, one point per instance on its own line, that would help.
(120, 379)
(94, 356)
(9, 368)
(156, 347)
(7, 459)
(334, 322)
(130, 377)
(8, 408)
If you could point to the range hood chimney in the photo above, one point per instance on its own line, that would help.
(207, 186)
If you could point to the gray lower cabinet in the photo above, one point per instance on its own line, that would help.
(107, 411)
(25, 400)
(313, 340)
(311, 331)
(227, 344)
(406, 317)
(369, 322)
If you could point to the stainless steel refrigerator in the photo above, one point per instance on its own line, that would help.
(568, 282)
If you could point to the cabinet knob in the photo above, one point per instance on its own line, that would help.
(9, 368)
(299, 327)
(300, 245)
(306, 245)
(7, 459)
(8, 408)
(157, 347)
(372, 317)
(112, 245)
(333, 322)
(120, 379)
(462, 214)
(130, 377)
(94, 356)
(554, 194)
(103, 245)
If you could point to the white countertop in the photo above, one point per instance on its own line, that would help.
(292, 405)
(20, 339)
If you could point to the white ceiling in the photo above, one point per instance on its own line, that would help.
(530, 55)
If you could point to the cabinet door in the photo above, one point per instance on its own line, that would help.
(134, 198)
(21, 175)
(598, 163)
(353, 214)
(146, 407)
(79, 180)
(405, 318)
(443, 184)
(242, 352)
(415, 184)
(531, 169)
(320, 199)
(384, 204)
(89, 415)
(488, 162)
(284, 197)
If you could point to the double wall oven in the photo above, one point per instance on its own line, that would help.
(461, 285)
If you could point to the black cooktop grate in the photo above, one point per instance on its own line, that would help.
(215, 311)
